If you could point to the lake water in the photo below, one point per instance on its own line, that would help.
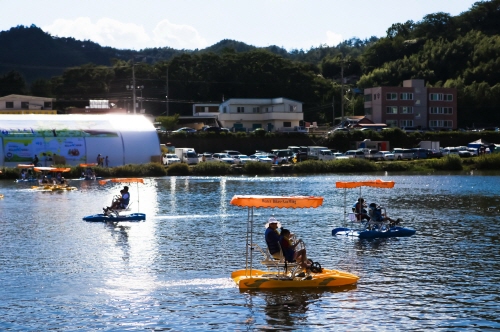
(172, 271)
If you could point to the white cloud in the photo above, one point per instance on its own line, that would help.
(333, 39)
(177, 36)
(110, 32)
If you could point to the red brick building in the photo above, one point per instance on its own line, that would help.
(412, 105)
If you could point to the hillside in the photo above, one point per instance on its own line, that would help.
(460, 51)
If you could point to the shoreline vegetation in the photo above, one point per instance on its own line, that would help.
(448, 163)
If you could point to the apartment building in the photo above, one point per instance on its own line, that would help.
(412, 106)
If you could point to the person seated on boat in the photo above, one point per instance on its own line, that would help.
(272, 236)
(45, 179)
(360, 210)
(23, 174)
(121, 203)
(63, 181)
(377, 215)
(288, 248)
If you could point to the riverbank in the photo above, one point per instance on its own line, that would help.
(448, 163)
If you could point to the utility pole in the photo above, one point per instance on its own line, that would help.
(342, 91)
(167, 91)
(333, 106)
(133, 86)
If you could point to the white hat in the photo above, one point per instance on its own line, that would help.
(272, 220)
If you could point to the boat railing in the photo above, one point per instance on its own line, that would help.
(280, 264)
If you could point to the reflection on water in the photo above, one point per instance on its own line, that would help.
(172, 271)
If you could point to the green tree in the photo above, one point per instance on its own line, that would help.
(12, 83)
(169, 122)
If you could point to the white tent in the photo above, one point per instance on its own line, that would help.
(79, 138)
(477, 144)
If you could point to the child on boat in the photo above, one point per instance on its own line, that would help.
(288, 248)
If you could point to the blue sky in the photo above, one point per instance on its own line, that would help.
(191, 24)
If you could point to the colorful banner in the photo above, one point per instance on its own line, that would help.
(24, 149)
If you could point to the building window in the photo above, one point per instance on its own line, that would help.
(240, 109)
(406, 110)
(392, 123)
(9, 104)
(406, 96)
(441, 124)
(440, 96)
(267, 109)
(224, 109)
(441, 110)
(287, 124)
(392, 110)
(368, 110)
(392, 96)
(25, 105)
(256, 110)
(406, 123)
(368, 97)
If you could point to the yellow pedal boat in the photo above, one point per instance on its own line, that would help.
(279, 273)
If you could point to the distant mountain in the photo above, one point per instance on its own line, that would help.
(36, 54)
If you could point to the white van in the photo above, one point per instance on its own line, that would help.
(187, 155)
(400, 154)
(355, 154)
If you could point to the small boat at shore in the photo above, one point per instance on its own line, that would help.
(369, 229)
(280, 273)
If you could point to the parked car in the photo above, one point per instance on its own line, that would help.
(434, 154)
(450, 150)
(232, 152)
(383, 155)
(370, 154)
(473, 151)
(401, 154)
(205, 156)
(420, 153)
(339, 155)
(355, 154)
(222, 157)
(215, 130)
(241, 159)
(336, 130)
(169, 159)
(262, 158)
(185, 130)
(464, 154)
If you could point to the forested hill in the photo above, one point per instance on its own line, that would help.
(460, 51)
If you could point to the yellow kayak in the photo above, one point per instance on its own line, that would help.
(53, 187)
(271, 280)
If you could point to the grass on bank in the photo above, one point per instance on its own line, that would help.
(447, 163)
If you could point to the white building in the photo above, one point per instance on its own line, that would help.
(272, 114)
(21, 104)
(78, 138)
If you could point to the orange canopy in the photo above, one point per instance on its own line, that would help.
(277, 201)
(25, 165)
(121, 180)
(88, 165)
(370, 183)
(52, 169)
